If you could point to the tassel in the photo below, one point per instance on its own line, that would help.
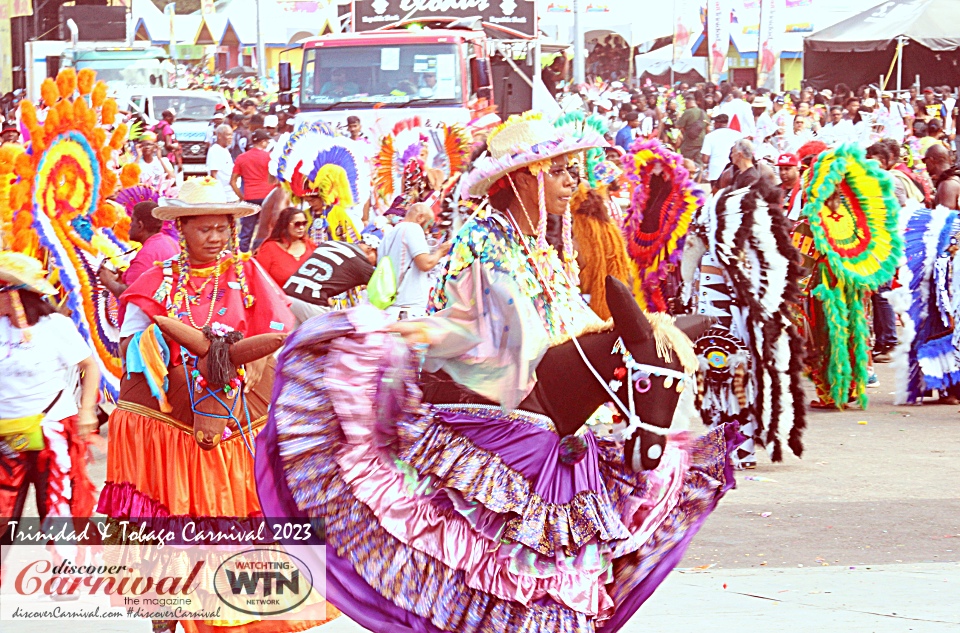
(20, 316)
(542, 221)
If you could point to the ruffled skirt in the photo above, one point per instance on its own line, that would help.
(465, 518)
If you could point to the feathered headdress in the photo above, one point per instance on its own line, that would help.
(576, 124)
(445, 148)
(654, 246)
(58, 203)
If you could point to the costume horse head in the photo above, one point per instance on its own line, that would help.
(642, 365)
(219, 357)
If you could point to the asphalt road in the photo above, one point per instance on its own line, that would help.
(861, 535)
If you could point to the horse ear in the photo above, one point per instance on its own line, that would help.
(256, 347)
(631, 323)
(182, 334)
(694, 325)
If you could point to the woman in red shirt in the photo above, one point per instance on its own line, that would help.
(287, 247)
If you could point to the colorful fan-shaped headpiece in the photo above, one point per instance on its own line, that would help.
(654, 243)
(575, 125)
(410, 150)
(853, 214)
(315, 162)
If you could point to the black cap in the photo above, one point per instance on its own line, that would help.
(259, 136)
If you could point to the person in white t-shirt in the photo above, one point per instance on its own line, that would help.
(220, 162)
(41, 354)
(716, 147)
(406, 246)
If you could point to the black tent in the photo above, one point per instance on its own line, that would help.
(860, 49)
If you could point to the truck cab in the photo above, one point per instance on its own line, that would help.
(385, 76)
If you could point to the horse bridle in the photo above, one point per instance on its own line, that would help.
(629, 411)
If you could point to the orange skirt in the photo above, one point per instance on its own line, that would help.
(155, 469)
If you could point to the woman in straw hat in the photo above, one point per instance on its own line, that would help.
(197, 337)
(42, 429)
(473, 499)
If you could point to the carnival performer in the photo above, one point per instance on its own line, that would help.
(751, 360)
(494, 508)
(853, 216)
(663, 202)
(327, 172)
(42, 430)
(418, 162)
(927, 302)
(191, 404)
(58, 208)
(287, 247)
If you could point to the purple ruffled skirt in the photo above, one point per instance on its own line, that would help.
(465, 518)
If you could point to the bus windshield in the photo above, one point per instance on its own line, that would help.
(356, 76)
(187, 107)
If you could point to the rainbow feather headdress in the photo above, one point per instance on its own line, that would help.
(412, 144)
(315, 162)
(576, 125)
(56, 205)
(860, 239)
(653, 252)
(522, 141)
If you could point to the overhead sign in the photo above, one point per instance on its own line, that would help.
(517, 15)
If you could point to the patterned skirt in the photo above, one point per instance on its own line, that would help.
(464, 517)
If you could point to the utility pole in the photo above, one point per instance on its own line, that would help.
(261, 62)
(901, 42)
(579, 50)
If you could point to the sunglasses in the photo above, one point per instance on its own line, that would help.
(299, 225)
(572, 170)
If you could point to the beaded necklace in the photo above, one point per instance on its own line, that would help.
(213, 298)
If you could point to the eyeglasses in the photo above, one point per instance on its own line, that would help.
(571, 170)
(299, 225)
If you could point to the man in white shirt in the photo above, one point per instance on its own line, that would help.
(716, 148)
(219, 161)
(406, 246)
(740, 113)
(764, 127)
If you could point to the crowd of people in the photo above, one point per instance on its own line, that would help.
(489, 337)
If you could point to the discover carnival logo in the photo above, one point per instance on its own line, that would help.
(507, 12)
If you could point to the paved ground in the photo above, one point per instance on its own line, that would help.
(862, 535)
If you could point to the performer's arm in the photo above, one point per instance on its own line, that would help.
(89, 390)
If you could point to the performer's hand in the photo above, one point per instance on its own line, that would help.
(253, 372)
(412, 333)
(87, 422)
(108, 276)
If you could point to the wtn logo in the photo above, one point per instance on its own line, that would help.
(264, 582)
(248, 582)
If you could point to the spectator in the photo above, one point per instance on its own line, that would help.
(406, 246)
(693, 127)
(628, 134)
(355, 129)
(253, 168)
(287, 247)
(166, 137)
(241, 135)
(220, 162)
(9, 134)
(157, 246)
(218, 118)
(154, 169)
(331, 270)
(716, 148)
(338, 86)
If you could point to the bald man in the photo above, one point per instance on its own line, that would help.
(945, 175)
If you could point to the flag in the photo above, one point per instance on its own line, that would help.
(686, 28)
(207, 7)
(718, 36)
(771, 39)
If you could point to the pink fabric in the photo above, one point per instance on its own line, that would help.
(157, 248)
(420, 521)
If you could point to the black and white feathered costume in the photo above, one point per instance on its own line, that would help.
(752, 360)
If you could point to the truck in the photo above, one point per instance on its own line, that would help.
(122, 65)
(439, 61)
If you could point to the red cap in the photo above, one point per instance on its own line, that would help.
(788, 160)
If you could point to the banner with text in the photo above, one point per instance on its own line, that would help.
(771, 40)
(687, 26)
(718, 36)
